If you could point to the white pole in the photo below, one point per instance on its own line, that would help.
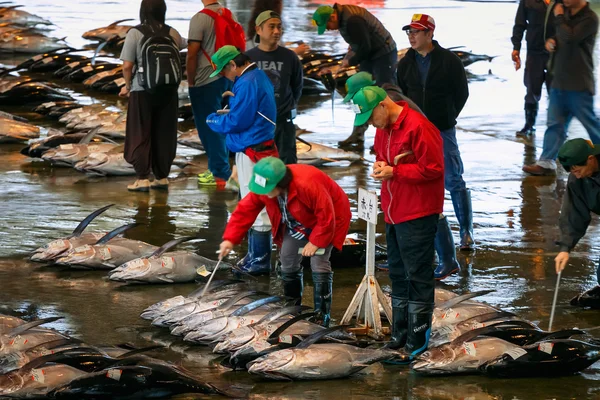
(211, 278)
(554, 302)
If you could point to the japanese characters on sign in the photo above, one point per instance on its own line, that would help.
(367, 206)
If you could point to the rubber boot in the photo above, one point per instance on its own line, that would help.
(258, 259)
(293, 285)
(323, 290)
(461, 200)
(357, 138)
(399, 323)
(419, 329)
(444, 247)
(531, 111)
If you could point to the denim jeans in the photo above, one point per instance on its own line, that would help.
(453, 165)
(564, 105)
(410, 252)
(205, 101)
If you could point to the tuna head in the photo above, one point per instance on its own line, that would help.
(10, 383)
(132, 270)
(79, 255)
(273, 365)
(434, 359)
(52, 250)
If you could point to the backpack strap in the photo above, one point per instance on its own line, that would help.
(214, 15)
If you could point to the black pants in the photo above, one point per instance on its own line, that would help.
(410, 254)
(382, 68)
(151, 132)
(285, 140)
(535, 75)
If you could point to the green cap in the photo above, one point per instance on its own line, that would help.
(321, 17)
(266, 175)
(576, 152)
(365, 101)
(265, 16)
(222, 57)
(357, 82)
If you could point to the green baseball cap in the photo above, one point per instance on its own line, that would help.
(266, 175)
(265, 16)
(365, 101)
(222, 57)
(576, 152)
(357, 82)
(321, 17)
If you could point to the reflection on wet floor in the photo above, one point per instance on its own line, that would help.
(515, 218)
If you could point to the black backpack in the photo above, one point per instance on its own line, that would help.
(161, 64)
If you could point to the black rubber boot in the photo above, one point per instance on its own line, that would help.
(293, 285)
(258, 259)
(399, 323)
(531, 111)
(323, 290)
(357, 138)
(444, 247)
(419, 329)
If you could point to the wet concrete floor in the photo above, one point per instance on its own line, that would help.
(515, 216)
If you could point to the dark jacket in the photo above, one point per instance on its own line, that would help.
(365, 34)
(581, 198)
(573, 60)
(531, 17)
(446, 90)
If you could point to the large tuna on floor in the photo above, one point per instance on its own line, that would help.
(12, 131)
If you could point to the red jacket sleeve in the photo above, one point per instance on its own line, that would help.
(376, 145)
(243, 217)
(427, 149)
(322, 205)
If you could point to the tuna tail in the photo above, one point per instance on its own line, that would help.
(459, 299)
(274, 337)
(305, 142)
(315, 337)
(115, 232)
(232, 301)
(90, 135)
(254, 305)
(272, 316)
(169, 245)
(118, 22)
(465, 337)
(25, 327)
(83, 224)
(563, 334)
(140, 350)
(213, 287)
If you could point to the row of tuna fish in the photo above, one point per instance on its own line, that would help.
(128, 260)
(261, 334)
(44, 363)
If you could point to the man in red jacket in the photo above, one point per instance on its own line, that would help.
(410, 166)
(306, 209)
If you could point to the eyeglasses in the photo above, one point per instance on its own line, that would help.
(414, 32)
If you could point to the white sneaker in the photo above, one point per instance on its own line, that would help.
(232, 185)
(141, 185)
(160, 184)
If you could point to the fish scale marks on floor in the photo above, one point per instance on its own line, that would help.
(128, 270)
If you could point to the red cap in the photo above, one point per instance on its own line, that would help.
(421, 22)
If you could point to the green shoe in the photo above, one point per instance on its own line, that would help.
(206, 179)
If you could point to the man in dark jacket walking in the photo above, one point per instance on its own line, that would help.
(371, 47)
(531, 17)
(573, 83)
(435, 79)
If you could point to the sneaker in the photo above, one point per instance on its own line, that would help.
(232, 185)
(207, 179)
(160, 184)
(140, 185)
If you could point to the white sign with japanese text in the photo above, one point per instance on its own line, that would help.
(367, 206)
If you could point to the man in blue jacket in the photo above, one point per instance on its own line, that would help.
(249, 126)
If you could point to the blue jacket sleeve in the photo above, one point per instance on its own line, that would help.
(243, 106)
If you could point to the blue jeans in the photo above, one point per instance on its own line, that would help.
(564, 105)
(410, 251)
(205, 101)
(453, 165)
